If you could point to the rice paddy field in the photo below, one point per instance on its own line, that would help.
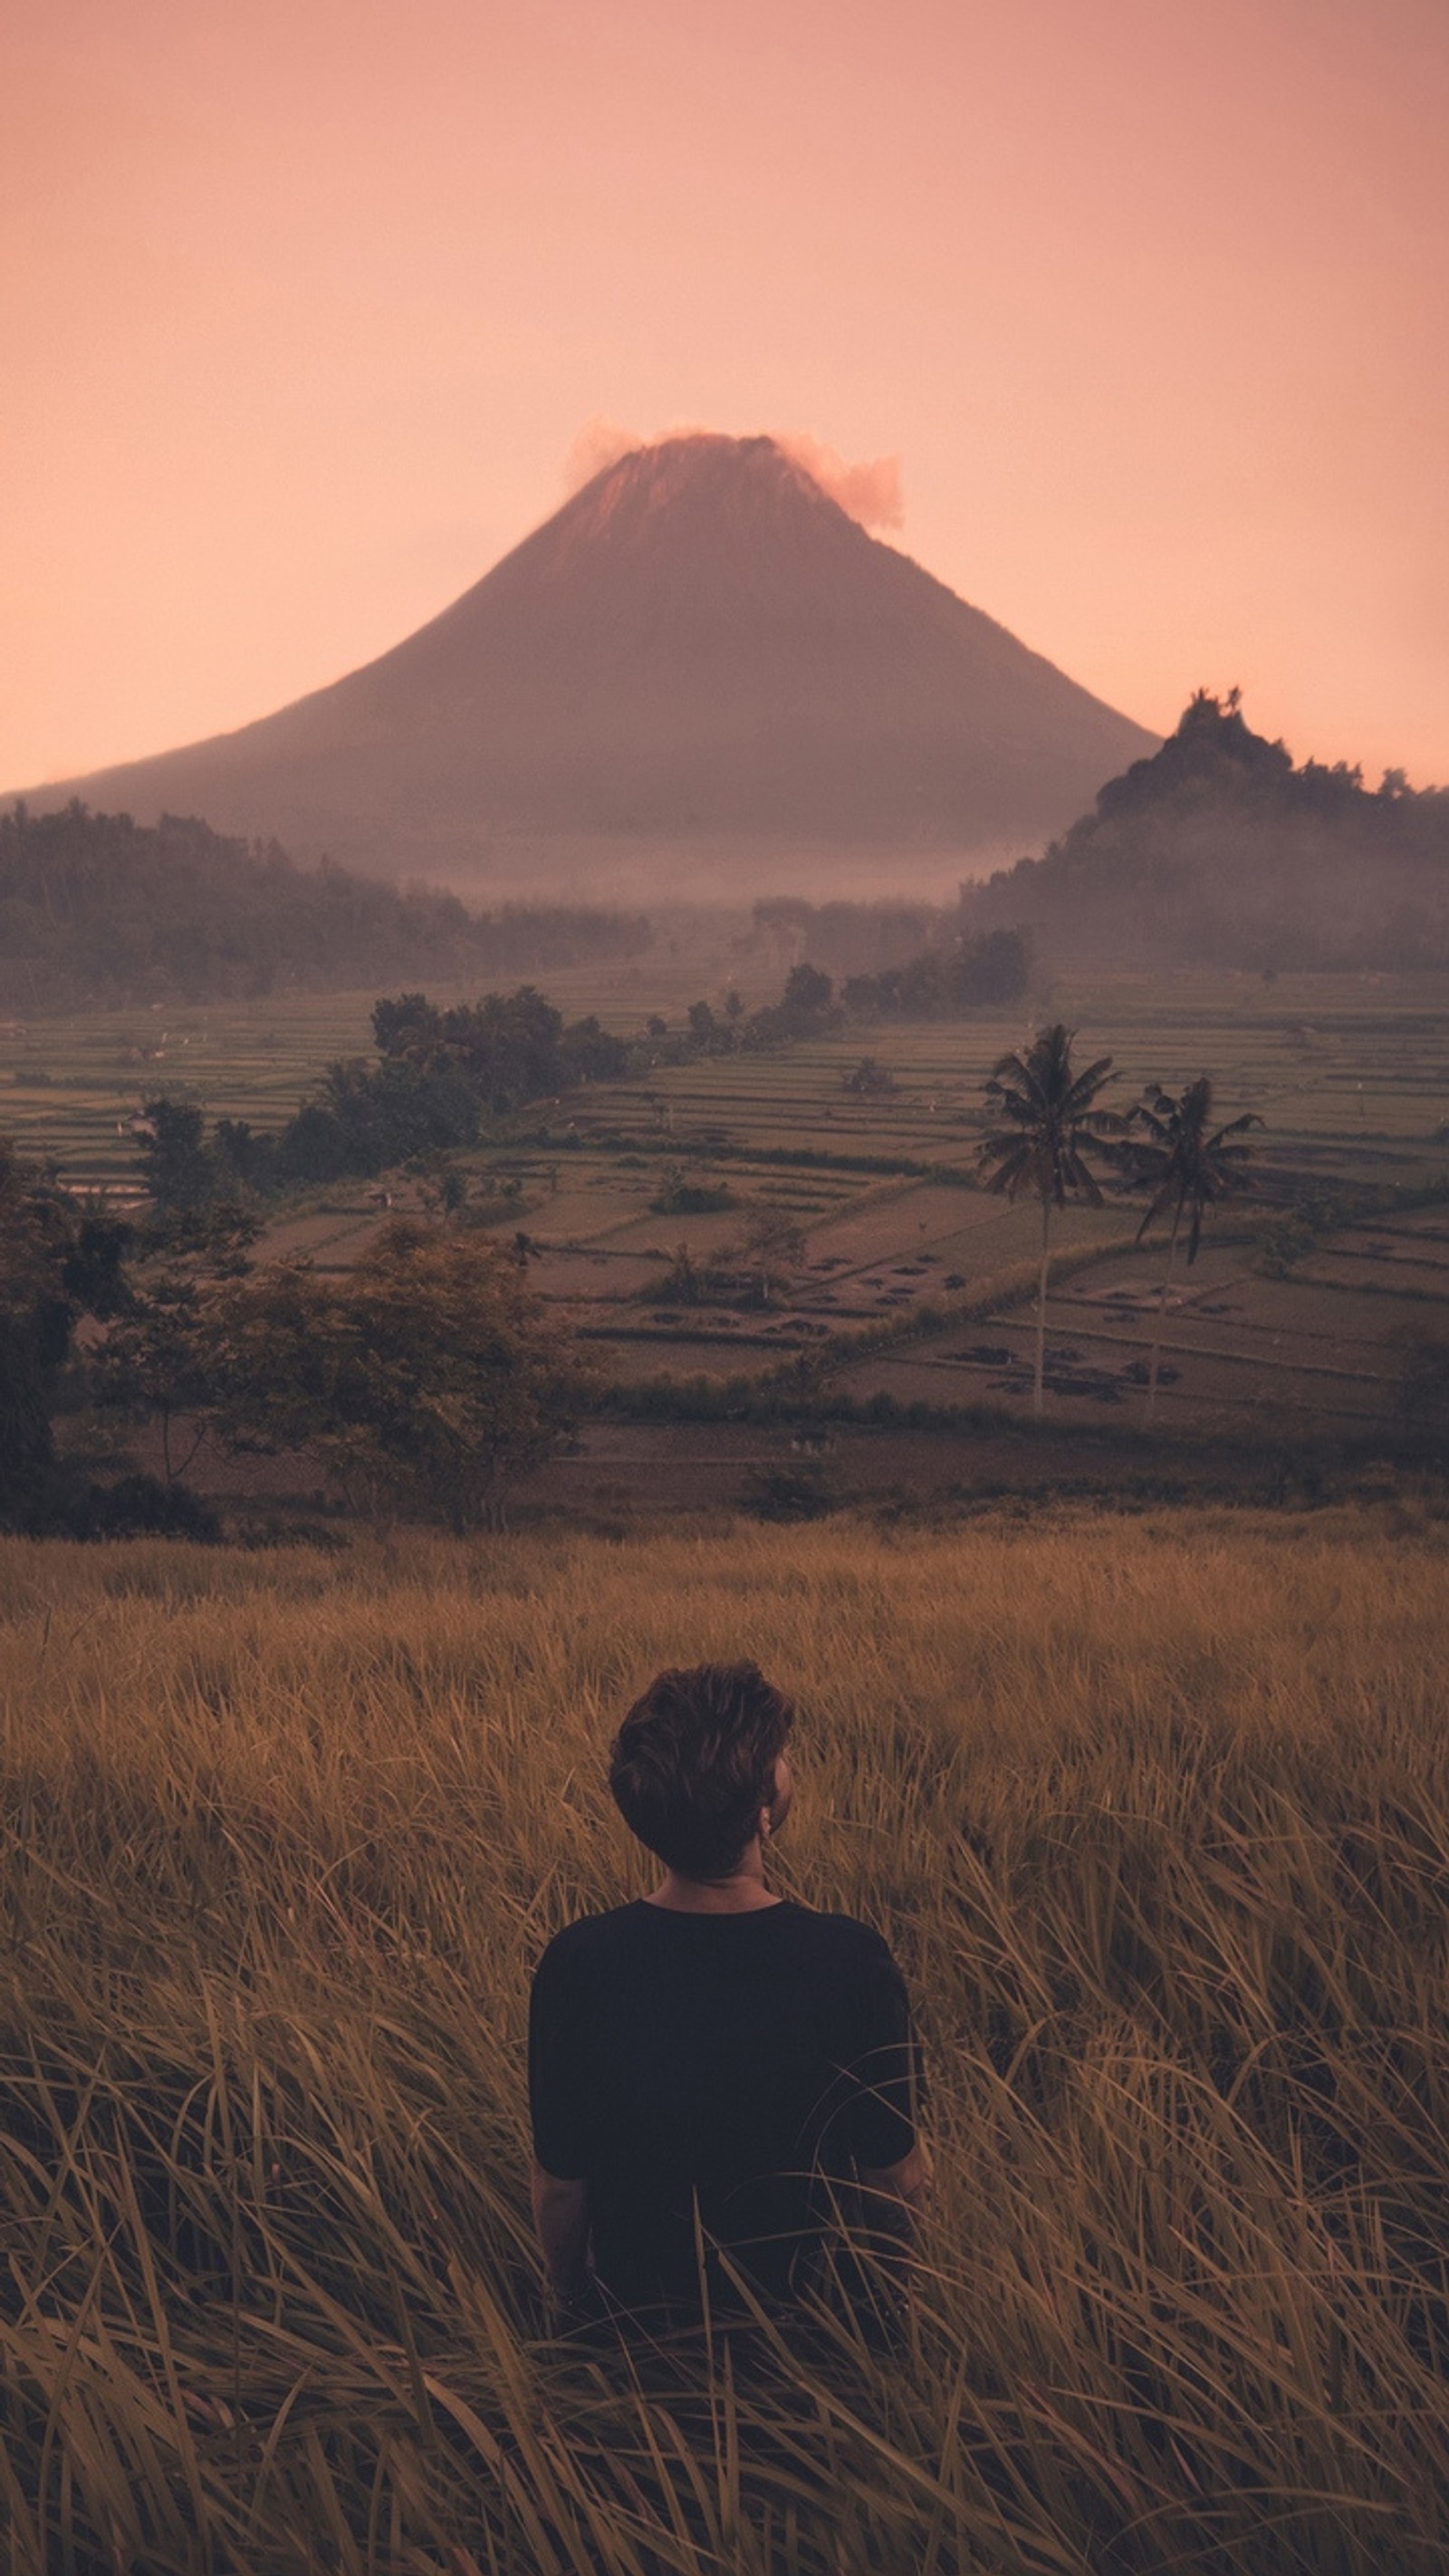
(901, 1285)
(1350, 1071)
(1155, 1812)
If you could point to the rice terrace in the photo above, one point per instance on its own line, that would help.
(892, 1271)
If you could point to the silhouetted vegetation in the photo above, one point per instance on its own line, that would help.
(95, 908)
(1049, 1123)
(442, 1072)
(57, 1263)
(899, 961)
(1186, 1165)
(868, 1078)
(964, 974)
(682, 1194)
(425, 1378)
(1219, 851)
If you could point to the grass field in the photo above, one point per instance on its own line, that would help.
(1156, 1814)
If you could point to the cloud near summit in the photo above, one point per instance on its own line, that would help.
(869, 491)
(599, 444)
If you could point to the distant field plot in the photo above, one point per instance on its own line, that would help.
(852, 1212)
(70, 1087)
(1352, 1064)
(1350, 1076)
(1270, 1354)
(1355, 1064)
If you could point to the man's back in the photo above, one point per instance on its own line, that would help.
(728, 2066)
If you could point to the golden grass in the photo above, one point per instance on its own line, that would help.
(1156, 1813)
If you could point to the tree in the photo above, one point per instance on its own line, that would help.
(1424, 1393)
(430, 1373)
(807, 1000)
(154, 1364)
(994, 967)
(1050, 1119)
(56, 1264)
(176, 1166)
(99, 908)
(868, 1075)
(1187, 1165)
(36, 1321)
(774, 1244)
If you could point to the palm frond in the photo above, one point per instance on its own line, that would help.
(1047, 1115)
(1185, 1166)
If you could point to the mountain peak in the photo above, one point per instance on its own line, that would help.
(700, 464)
(721, 489)
(702, 647)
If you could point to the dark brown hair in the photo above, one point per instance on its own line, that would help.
(694, 1762)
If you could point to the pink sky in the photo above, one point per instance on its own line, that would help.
(306, 303)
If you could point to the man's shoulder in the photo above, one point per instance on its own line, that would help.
(845, 1937)
(589, 1934)
(842, 1939)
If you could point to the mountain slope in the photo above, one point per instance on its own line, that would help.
(700, 645)
(1218, 851)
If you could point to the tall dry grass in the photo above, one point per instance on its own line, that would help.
(1156, 1814)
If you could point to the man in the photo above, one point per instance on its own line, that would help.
(712, 2065)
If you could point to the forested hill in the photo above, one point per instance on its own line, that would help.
(95, 908)
(1219, 851)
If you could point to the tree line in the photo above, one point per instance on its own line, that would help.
(98, 909)
(441, 1073)
(943, 982)
(899, 961)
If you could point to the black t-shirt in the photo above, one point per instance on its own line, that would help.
(720, 2068)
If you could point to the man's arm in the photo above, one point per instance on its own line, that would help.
(559, 2089)
(893, 2198)
(887, 2114)
(896, 2195)
(561, 2220)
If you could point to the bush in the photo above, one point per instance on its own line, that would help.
(786, 1494)
(868, 1076)
(679, 1196)
(1281, 1242)
(1424, 1390)
(142, 1507)
(430, 1374)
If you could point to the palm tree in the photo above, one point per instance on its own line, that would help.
(1188, 1165)
(1049, 1121)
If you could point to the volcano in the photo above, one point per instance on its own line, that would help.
(700, 653)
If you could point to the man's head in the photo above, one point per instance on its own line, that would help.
(694, 1765)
